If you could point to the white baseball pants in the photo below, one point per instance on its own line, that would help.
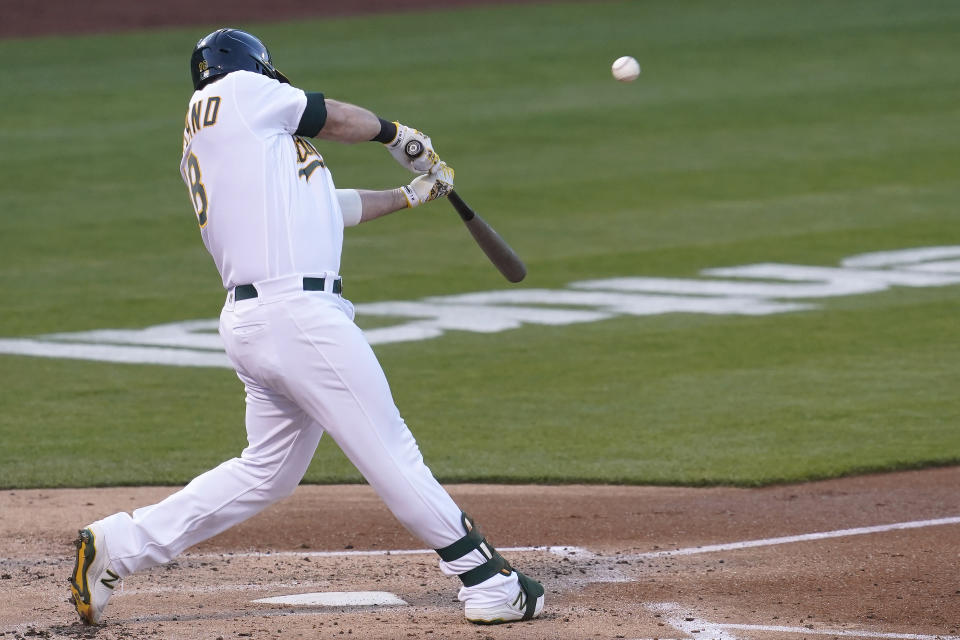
(307, 369)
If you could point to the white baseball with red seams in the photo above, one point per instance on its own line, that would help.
(625, 69)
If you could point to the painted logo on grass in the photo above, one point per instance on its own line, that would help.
(754, 289)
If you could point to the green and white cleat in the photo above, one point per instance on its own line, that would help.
(92, 581)
(527, 605)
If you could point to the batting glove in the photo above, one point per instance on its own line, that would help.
(429, 186)
(425, 162)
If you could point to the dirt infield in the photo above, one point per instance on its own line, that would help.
(617, 562)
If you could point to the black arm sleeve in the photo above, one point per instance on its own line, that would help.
(314, 115)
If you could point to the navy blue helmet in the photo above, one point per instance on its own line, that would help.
(227, 50)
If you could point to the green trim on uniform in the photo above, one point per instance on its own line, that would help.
(314, 115)
(463, 546)
(481, 573)
(474, 541)
(533, 590)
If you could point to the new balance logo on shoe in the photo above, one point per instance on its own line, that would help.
(110, 582)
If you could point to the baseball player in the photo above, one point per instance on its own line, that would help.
(273, 222)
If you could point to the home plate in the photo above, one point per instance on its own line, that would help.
(337, 599)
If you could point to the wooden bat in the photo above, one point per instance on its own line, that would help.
(498, 251)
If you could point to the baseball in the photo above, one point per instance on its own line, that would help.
(625, 69)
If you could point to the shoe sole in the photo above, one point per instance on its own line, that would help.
(513, 616)
(79, 585)
(495, 621)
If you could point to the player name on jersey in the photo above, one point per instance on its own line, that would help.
(756, 289)
(209, 107)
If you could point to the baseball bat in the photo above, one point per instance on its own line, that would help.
(496, 248)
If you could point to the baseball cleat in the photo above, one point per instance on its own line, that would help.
(92, 581)
(527, 605)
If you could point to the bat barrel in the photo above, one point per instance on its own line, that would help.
(497, 250)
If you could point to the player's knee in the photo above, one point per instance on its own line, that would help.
(283, 485)
(272, 479)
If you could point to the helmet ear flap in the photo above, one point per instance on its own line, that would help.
(199, 66)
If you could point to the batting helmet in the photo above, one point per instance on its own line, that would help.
(227, 50)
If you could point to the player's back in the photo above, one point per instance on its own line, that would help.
(264, 199)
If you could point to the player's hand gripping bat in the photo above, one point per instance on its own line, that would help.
(498, 251)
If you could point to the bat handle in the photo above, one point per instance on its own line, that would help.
(466, 213)
(414, 149)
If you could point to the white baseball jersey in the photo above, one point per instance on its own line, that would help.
(264, 198)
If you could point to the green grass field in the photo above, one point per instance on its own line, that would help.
(786, 131)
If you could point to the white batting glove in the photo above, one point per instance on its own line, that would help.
(425, 162)
(429, 186)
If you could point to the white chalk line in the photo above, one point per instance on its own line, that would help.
(557, 550)
(824, 535)
(580, 552)
(851, 633)
(219, 588)
(570, 551)
(680, 619)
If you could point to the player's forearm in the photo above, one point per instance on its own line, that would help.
(348, 123)
(377, 204)
(362, 206)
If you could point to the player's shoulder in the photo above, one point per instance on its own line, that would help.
(240, 83)
(244, 78)
(248, 81)
(255, 102)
